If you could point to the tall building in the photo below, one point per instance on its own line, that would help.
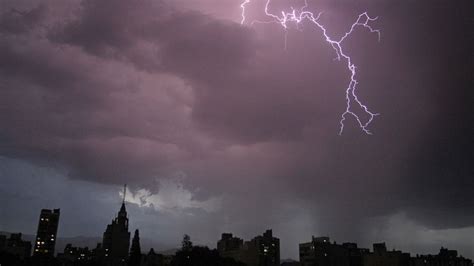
(321, 252)
(266, 249)
(45, 241)
(229, 243)
(116, 240)
(230, 247)
(262, 250)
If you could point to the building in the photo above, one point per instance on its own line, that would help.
(75, 255)
(321, 252)
(262, 250)
(382, 257)
(45, 241)
(3, 242)
(230, 247)
(16, 246)
(116, 239)
(356, 254)
(445, 257)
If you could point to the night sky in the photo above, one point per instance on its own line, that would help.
(216, 127)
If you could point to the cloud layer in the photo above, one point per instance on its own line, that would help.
(116, 92)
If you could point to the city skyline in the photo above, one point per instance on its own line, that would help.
(118, 248)
(217, 124)
(120, 225)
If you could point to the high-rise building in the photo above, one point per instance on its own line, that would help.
(321, 252)
(262, 250)
(229, 243)
(231, 247)
(265, 249)
(46, 235)
(116, 240)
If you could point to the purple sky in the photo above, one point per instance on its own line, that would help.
(216, 127)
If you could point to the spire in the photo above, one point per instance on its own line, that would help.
(124, 193)
(123, 211)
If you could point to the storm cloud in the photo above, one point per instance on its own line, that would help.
(140, 92)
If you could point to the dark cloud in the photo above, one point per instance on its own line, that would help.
(125, 91)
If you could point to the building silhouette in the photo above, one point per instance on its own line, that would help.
(266, 248)
(75, 255)
(321, 252)
(262, 250)
(46, 235)
(16, 246)
(231, 247)
(381, 256)
(116, 238)
(445, 257)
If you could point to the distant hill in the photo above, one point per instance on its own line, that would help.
(91, 242)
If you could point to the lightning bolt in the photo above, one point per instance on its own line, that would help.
(301, 15)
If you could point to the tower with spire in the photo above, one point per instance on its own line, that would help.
(116, 240)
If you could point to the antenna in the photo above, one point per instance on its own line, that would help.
(124, 193)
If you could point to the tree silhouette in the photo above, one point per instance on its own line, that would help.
(186, 244)
(135, 251)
